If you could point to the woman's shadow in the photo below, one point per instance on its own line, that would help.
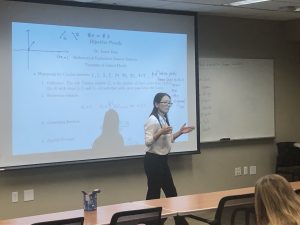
(110, 141)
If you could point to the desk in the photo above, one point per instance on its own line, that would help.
(101, 216)
(180, 205)
(104, 213)
(188, 204)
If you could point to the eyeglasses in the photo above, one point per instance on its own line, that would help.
(167, 103)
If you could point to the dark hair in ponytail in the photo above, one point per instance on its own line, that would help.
(156, 100)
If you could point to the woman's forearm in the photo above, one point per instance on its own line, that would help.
(176, 134)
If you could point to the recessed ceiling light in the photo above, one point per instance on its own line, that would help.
(246, 2)
(83, 0)
(289, 8)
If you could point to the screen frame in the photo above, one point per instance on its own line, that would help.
(134, 9)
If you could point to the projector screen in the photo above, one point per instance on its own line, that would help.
(77, 83)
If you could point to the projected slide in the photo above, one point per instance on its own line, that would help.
(80, 88)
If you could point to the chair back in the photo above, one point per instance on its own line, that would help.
(288, 154)
(288, 160)
(230, 206)
(149, 216)
(72, 221)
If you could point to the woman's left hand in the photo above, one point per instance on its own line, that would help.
(186, 129)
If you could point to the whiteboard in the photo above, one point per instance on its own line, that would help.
(236, 99)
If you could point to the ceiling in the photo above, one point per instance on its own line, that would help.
(280, 10)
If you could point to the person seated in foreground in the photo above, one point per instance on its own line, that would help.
(276, 203)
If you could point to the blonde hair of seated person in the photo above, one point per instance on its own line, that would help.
(276, 203)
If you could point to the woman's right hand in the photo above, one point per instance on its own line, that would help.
(165, 130)
(162, 131)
